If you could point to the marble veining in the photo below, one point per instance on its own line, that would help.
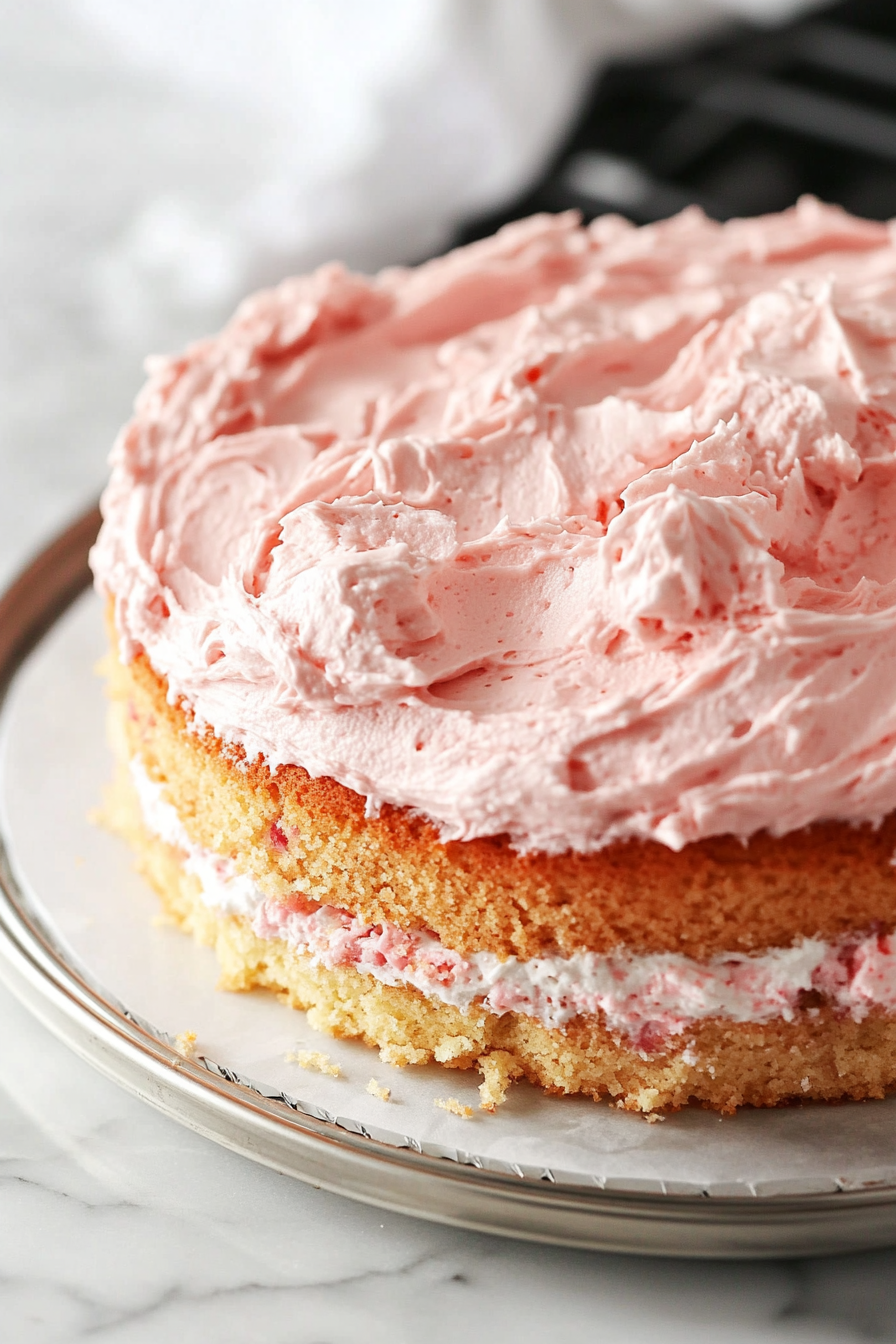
(120, 1225)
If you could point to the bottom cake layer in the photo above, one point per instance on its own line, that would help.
(820, 1053)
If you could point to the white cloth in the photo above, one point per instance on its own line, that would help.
(382, 123)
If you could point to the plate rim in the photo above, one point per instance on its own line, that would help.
(267, 1129)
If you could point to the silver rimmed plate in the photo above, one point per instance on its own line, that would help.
(78, 947)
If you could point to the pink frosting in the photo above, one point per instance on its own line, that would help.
(574, 534)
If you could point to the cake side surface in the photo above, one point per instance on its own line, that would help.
(293, 832)
(821, 1055)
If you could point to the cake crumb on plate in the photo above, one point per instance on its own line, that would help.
(377, 1090)
(315, 1061)
(499, 1069)
(454, 1106)
(185, 1044)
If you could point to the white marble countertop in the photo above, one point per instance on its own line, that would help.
(116, 1224)
(119, 1225)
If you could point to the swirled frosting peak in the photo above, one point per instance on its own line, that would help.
(575, 534)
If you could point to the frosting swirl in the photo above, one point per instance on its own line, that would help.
(575, 534)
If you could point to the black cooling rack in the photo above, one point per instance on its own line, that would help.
(739, 126)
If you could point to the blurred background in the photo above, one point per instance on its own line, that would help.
(159, 158)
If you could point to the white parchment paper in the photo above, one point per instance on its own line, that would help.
(53, 765)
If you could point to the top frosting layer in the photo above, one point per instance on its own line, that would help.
(573, 534)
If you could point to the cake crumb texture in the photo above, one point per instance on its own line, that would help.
(315, 1061)
(454, 1107)
(377, 1090)
(185, 1044)
(719, 1064)
(498, 1070)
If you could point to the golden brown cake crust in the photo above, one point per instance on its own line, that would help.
(715, 895)
(722, 1065)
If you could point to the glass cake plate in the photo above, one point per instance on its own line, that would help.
(79, 946)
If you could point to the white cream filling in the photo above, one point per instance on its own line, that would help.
(222, 886)
(646, 998)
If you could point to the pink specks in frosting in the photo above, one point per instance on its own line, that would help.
(861, 971)
(278, 837)
(649, 998)
(338, 938)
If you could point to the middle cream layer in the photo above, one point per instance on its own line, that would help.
(646, 998)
